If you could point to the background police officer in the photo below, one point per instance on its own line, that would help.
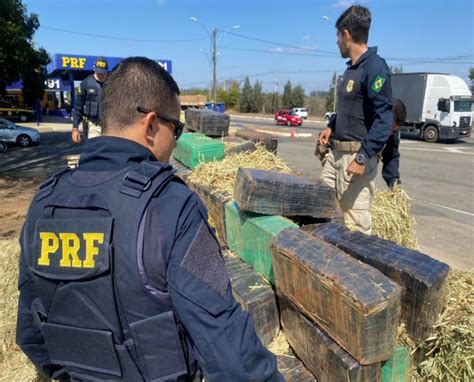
(363, 121)
(87, 106)
(121, 277)
(391, 155)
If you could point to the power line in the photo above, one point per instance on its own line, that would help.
(119, 38)
(333, 53)
(274, 52)
(282, 44)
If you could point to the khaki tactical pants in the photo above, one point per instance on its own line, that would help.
(94, 130)
(354, 193)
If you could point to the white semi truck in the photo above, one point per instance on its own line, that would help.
(439, 106)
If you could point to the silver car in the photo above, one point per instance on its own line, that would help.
(22, 136)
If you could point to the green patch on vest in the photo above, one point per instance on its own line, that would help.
(378, 83)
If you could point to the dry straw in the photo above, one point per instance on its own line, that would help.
(221, 175)
(14, 366)
(449, 350)
(391, 217)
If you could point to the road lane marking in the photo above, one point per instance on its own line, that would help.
(452, 209)
(456, 150)
(435, 151)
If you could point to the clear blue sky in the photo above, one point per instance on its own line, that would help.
(406, 32)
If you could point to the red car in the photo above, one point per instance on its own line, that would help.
(288, 117)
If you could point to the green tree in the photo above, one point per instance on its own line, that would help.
(230, 97)
(275, 102)
(258, 98)
(298, 97)
(471, 77)
(287, 98)
(246, 97)
(330, 94)
(19, 58)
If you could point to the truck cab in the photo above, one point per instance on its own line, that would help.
(439, 106)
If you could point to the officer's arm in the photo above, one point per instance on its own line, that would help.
(224, 338)
(379, 116)
(391, 161)
(79, 106)
(28, 336)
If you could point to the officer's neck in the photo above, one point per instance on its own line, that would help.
(95, 77)
(356, 51)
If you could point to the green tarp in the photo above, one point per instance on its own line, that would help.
(193, 149)
(249, 236)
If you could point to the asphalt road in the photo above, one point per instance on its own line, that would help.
(438, 177)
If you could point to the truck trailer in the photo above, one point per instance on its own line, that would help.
(439, 106)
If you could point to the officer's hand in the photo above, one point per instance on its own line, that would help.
(75, 135)
(355, 168)
(325, 135)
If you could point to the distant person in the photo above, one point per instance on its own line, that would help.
(363, 122)
(87, 106)
(390, 154)
(38, 112)
(121, 277)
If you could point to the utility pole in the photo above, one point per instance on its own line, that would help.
(214, 67)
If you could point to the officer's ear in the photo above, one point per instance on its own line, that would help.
(149, 124)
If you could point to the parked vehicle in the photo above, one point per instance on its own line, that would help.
(439, 106)
(16, 112)
(288, 117)
(3, 147)
(22, 136)
(328, 115)
(301, 111)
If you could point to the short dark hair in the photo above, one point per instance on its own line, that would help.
(399, 112)
(136, 81)
(356, 20)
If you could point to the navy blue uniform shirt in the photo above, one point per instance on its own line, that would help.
(222, 334)
(364, 104)
(87, 102)
(391, 160)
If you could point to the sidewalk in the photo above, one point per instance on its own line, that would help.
(49, 124)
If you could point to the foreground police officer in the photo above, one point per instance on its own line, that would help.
(363, 121)
(87, 105)
(120, 275)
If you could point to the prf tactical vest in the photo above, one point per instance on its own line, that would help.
(98, 321)
(92, 93)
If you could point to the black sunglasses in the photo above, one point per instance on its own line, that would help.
(178, 125)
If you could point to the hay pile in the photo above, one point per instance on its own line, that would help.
(14, 366)
(391, 217)
(221, 175)
(450, 350)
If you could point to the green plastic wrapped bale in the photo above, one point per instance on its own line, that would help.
(249, 236)
(398, 367)
(355, 304)
(215, 204)
(256, 296)
(194, 149)
(319, 353)
(293, 369)
(422, 278)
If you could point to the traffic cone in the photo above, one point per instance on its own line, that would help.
(292, 135)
